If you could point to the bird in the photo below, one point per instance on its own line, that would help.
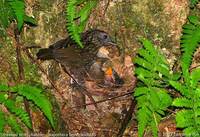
(86, 61)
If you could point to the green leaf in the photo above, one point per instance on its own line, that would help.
(12, 122)
(191, 132)
(35, 94)
(22, 114)
(2, 121)
(183, 102)
(4, 87)
(189, 43)
(195, 77)
(140, 91)
(143, 116)
(193, 2)
(30, 20)
(154, 124)
(2, 97)
(18, 7)
(194, 20)
(178, 86)
(77, 19)
(184, 118)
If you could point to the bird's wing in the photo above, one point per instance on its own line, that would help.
(63, 43)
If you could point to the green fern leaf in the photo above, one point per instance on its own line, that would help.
(154, 124)
(12, 122)
(144, 63)
(193, 2)
(150, 47)
(22, 114)
(183, 102)
(4, 87)
(85, 11)
(34, 94)
(183, 90)
(143, 116)
(195, 77)
(18, 7)
(191, 132)
(149, 108)
(2, 121)
(164, 99)
(140, 91)
(144, 73)
(184, 118)
(152, 101)
(30, 20)
(190, 40)
(5, 14)
(76, 19)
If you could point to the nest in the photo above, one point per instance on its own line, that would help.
(106, 120)
(125, 71)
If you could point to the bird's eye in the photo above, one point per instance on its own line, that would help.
(105, 36)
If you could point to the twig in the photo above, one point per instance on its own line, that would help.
(85, 91)
(106, 8)
(21, 69)
(32, 47)
(34, 61)
(104, 100)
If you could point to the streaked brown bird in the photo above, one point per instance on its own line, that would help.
(82, 61)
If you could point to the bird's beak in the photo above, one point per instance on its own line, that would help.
(112, 43)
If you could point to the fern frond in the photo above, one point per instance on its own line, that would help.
(153, 51)
(35, 94)
(76, 19)
(149, 110)
(71, 26)
(183, 102)
(181, 88)
(12, 122)
(184, 118)
(154, 71)
(6, 14)
(22, 114)
(189, 43)
(153, 68)
(2, 121)
(193, 2)
(4, 87)
(189, 117)
(11, 10)
(18, 7)
(143, 117)
(195, 77)
(31, 93)
(10, 105)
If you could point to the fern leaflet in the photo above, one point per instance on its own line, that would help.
(193, 2)
(18, 7)
(152, 100)
(12, 122)
(2, 121)
(76, 19)
(22, 114)
(189, 43)
(34, 94)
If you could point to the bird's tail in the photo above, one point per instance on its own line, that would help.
(45, 54)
